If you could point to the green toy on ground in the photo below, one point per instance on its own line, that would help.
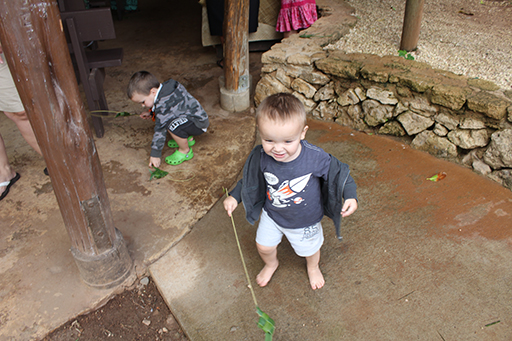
(265, 322)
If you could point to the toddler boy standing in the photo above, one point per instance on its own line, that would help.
(173, 109)
(292, 184)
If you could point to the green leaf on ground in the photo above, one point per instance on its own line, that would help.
(157, 173)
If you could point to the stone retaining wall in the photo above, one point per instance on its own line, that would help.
(468, 121)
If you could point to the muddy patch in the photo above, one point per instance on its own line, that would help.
(122, 181)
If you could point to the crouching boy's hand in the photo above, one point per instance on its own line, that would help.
(154, 162)
(145, 115)
(230, 204)
(349, 207)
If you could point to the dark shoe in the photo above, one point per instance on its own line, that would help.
(220, 63)
(45, 171)
(8, 185)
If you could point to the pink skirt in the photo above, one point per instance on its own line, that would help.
(296, 14)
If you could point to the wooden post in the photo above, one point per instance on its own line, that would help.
(37, 53)
(412, 24)
(235, 93)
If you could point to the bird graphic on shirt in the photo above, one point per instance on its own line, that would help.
(288, 189)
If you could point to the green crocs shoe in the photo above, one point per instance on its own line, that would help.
(178, 157)
(173, 144)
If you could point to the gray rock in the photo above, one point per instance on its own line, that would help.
(491, 105)
(303, 87)
(376, 113)
(474, 154)
(268, 68)
(299, 59)
(383, 96)
(309, 104)
(360, 94)
(349, 97)
(503, 177)
(326, 111)
(420, 105)
(448, 120)
(355, 112)
(283, 78)
(267, 86)
(274, 55)
(469, 139)
(400, 108)
(435, 145)
(452, 97)
(297, 71)
(472, 122)
(414, 123)
(499, 153)
(336, 67)
(315, 77)
(440, 130)
(481, 167)
(392, 128)
(325, 93)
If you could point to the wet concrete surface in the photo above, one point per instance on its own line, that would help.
(420, 259)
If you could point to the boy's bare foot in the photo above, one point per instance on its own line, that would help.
(265, 275)
(316, 279)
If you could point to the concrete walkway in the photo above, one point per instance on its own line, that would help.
(420, 260)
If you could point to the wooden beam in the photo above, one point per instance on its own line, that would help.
(236, 31)
(412, 24)
(37, 53)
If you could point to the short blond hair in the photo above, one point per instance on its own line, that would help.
(281, 107)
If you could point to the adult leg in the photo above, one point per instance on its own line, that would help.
(289, 33)
(23, 124)
(6, 172)
(269, 255)
(316, 279)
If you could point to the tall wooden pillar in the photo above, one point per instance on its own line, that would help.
(235, 90)
(412, 24)
(37, 53)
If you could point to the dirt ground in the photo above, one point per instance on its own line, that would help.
(137, 314)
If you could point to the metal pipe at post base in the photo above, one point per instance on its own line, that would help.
(105, 270)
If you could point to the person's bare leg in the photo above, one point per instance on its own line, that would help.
(23, 124)
(6, 172)
(269, 255)
(316, 279)
(288, 34)
(182, 144)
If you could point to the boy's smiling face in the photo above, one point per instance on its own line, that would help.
(281, 139)
(147, 101)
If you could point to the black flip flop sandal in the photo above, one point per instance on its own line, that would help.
(8, 185)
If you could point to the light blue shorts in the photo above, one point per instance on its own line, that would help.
(305, 241)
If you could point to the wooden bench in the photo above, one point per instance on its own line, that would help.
(85, 26)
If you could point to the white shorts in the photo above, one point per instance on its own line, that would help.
(305, 241)
(9, 99)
